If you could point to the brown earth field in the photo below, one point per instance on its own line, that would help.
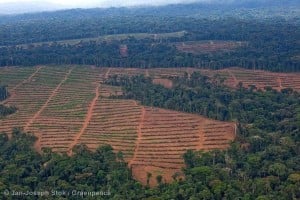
(164, 82)
(67, 105)
(232, 76)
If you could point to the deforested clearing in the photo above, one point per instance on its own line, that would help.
(197, 47)
(68, 105)
(234, 76)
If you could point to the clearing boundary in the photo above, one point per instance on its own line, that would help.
(21, 83)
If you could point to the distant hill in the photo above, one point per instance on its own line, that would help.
(26, 7)
(262, 3)
(183, 8)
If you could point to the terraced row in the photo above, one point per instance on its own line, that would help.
(216, 135)
(64, 106)
(113, 122)
(127, 71)
(166, 135)
(31, 95)
(250, 77)
(64, 115)
(14, 76)
(108, 91)
(290, 81)
(234, 75)
(261, 79)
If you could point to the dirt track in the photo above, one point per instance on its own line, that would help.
(107, 73)
(139, 136)
(23, 82)
(87, 119)
(233, 77)
(54, 92)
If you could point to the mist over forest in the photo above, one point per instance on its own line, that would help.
(14, 7)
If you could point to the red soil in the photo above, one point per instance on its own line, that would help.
(139, 136)
(261, 79)
(107, 73)
(167, 83)
(152, 140)
(124, 50)
(147, 73)
(234, 75)
(165, 135)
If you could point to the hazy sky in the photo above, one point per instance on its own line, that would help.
(104, 3)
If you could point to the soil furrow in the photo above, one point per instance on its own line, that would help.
(139, 136)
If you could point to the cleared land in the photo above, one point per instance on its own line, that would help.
(67, 105)
(155, 36)
(164, 82)
(164, 136)
(260, 79)
(208, 46)
(232, 76)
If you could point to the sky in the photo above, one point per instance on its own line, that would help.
(103, 3)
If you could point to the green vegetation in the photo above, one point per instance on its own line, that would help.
(5, 110)
(3, 92)
(262, 163)
(96, 37)
(22, 169)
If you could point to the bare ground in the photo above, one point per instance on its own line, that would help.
(139, 136)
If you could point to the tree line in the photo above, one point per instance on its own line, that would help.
(3, 92)
(270, 42)
(5, 110)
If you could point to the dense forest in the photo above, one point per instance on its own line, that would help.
(3, 92)
(22, 169)
(271, 42)
(7, 110)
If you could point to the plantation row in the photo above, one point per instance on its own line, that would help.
(65, 106)
(166, 135)
(64, 115)
(113, 122)
(259, 79)
(232, 76)
(30, 94)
